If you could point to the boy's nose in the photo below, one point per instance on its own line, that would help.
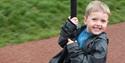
(98, 22)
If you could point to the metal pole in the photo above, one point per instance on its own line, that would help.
(73, 8)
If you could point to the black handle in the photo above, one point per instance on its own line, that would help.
(73, 8)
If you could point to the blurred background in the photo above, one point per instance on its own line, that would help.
(27, 20)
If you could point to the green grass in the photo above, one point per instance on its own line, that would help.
(27, 20)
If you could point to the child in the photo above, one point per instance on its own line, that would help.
(87, 44)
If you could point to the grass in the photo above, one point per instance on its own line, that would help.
(27, 20)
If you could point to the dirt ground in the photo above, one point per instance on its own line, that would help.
(41, 51)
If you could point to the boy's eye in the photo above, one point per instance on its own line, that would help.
(94, 19)
(103, 21)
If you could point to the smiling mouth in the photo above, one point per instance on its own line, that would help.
(97, 28)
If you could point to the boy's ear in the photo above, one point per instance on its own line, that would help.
(85, 20)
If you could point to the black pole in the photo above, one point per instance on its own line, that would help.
(73, 8)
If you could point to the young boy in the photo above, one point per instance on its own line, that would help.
(87, 44)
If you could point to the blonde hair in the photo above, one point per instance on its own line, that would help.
(95, 6)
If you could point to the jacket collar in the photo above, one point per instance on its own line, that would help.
(103, 35)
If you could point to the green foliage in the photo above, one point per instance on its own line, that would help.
(26, 20)
(117, 10)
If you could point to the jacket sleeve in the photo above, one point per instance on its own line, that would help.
(100, 52)
(96, 55)
(68, 30)
(75, 53)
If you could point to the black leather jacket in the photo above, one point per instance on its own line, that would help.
(94, 51)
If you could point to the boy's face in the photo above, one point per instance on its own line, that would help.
(96, 22)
